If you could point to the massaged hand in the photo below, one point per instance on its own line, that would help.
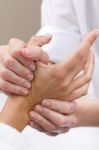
(16, 70)
(72, 89)
(62, 80)
(55, 117)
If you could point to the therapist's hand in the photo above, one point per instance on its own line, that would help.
(16, 70)
(54, 117)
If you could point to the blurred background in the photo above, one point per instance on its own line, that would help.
(19, 18)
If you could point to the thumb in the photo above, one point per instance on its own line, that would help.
(35, 53)
(39, 40)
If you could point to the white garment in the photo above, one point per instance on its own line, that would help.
(11, 139)
(68, 21)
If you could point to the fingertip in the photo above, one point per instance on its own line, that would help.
(32, 67)
(45, 103)
(24, 91)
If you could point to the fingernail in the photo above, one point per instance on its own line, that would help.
(46, 103)
(32, 67)
(31, 124)
(24, 91)
(39, 109)
(33, 116)
(30, 77)
(27, 85)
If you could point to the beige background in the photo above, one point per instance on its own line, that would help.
(19, 18)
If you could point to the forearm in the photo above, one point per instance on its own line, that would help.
(87, 112)
(15, 111)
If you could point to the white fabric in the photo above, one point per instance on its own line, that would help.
(11, 139)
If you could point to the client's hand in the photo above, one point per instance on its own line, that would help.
(55, 117)
(62, 81)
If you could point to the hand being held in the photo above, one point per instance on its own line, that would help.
(53, 116)
(63, 80)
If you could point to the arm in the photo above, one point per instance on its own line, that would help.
(87, 113)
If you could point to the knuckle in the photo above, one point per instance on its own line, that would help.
(66, 108)
(61, 122)
(8, 61)
(88, 78)
(15, 52)
(52, 128)
(4, 86)
(80, 55)
(84, 91)
(39, 51)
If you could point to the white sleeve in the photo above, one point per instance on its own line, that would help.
(11, 139)
(59, 19)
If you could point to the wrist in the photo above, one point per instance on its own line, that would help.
(87, 112)
(15, 112)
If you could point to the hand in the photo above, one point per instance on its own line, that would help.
(61, 80)
(54, 117)
(16, 70)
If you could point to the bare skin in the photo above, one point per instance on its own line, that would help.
(49, 83)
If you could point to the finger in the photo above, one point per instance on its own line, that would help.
(9, 76)
(78, 93)
(35, 53)
(39, 40)
(58, 119)
(59, 106)
(40, 120)
(28, 64)
(85, 77)
(82, 52)
(16, 44)
(61, 131)
(6, 93)
(13, 65)
(58, 131)
(11, 88)
(51, 133)
(15, 48)
(37, 127)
